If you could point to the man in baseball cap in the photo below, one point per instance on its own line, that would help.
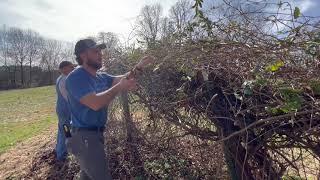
(85, 44)
(89, 94)
(62, 109)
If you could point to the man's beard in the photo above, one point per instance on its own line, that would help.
(93, 64)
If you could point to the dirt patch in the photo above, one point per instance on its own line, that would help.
(16, 162)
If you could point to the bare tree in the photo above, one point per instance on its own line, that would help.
(149, 22)
(67, 52)
(109, 38)
(33, 48)
(167, 30)
(4, 50)
(28, 51)
(18, 49)
(181, 14)
(50, 56)
(113, 49)
(3, 46)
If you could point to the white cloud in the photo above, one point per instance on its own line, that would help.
(70, 20)
(305, 5)
(73, 19)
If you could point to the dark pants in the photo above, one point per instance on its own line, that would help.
(88, 148)
(61, 148)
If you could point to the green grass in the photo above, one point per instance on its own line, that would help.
(25, 113)
(15, 132)
(19, 105)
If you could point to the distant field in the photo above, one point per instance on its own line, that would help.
(25, 113)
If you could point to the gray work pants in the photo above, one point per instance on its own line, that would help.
(88, 148)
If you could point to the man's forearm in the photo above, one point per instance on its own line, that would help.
(100, 100)
(105, 97)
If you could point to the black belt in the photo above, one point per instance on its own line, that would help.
(98, 129)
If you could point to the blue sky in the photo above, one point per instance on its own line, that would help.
(72, 19)
(309, 7)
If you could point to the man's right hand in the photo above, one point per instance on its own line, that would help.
(128, 84)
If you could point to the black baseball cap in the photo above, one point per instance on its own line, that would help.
(63, 64)
(85, 44)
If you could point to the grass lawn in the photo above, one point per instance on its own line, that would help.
(25, 113)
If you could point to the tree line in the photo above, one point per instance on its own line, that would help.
(28, 59)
